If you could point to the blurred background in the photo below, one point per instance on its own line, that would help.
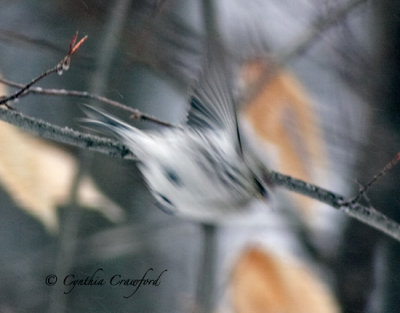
(319, 83)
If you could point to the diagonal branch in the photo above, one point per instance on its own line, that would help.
(65, 135)
(61, 66)
(135, 113)
(113, 148)
(374, 179)
(10, 36)
(304, 43)
(367, 215)
(353, 208)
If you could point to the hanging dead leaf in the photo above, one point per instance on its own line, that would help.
(281, 115)
(262, 283)
(38, 176)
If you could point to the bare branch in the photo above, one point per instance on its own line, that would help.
(353, 208)
(61, 66)
(305, 42)
(144, 35)
(14, 37)
(135, 114)
(367, 215)
(66, 135)
(374, 179)
(320, 25)
(113, 27)
(113, 148)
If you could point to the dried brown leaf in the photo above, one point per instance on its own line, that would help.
(263, 283)
(281, 115)
(38, 176)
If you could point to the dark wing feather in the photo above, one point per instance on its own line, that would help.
(212, 103)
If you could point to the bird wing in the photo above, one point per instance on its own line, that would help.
(212, 101)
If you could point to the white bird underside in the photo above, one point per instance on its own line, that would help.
(200, 171)
(179, 170)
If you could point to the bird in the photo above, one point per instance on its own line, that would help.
(206, 170)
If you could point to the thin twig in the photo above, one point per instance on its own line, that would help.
(320, 25)
(12, 36)
(109, 42)
(135, 114)
(61, 66)
(144, 35)
(374, 179)
(367, 215)
(110, 147)
(69, 235)
(5, 99)
(305, 42)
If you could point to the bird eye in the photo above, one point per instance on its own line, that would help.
(173, 176)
